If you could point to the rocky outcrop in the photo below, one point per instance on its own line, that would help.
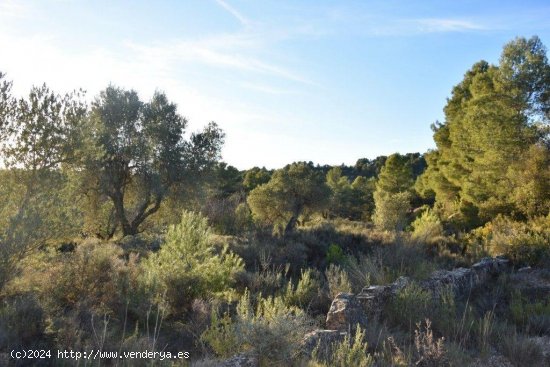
(375, 298)
(462, 280)
(348, 310)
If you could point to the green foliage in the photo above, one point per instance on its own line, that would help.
(363, 190)
(349, 352)
(303, 294)
(396, 175)
(255, 177)
(391, 213)
(427, 227)
(335, 254)
(524, 243)
(291, 192)
(268, 280)
(187, 266)
(222, 192)
(489, 125)
(42, 131)
(222, 214)
(272, 331)
(226, 180)
(37, 135)
(349, 200)
(388, 262)
(342, 199)
(139, 152)
(393, 194)
(34, 210)
(243, 217)
(123, 166)
(531, 179)
(411, 305)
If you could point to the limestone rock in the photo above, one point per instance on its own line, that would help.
(346, 311)
(376, 297)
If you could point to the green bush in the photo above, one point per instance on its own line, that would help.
(525, 243)
(187, 266)
(303, 294)
(271, 330)
(411, 305)
(335, 254)
(348, 352)
(391, 213)
(427, 228)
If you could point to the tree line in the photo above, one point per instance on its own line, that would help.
(123, 160)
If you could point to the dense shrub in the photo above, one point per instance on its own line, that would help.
(271, 330)
(335, 254)
(391, 213)
(187, 266)
(427, 228)
(268, 279)
(411, 305)
(352, 351)
(95, 275)
(524, 243)
(303, 293)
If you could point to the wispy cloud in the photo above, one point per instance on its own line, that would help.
(418, 27)
(235, 13)
(212, 52)
(447, 25)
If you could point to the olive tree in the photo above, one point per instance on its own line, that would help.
(292, 191)
(139, 153)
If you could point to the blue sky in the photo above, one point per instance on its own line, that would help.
(321, 81)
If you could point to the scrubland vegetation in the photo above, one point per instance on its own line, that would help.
(118, 232)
